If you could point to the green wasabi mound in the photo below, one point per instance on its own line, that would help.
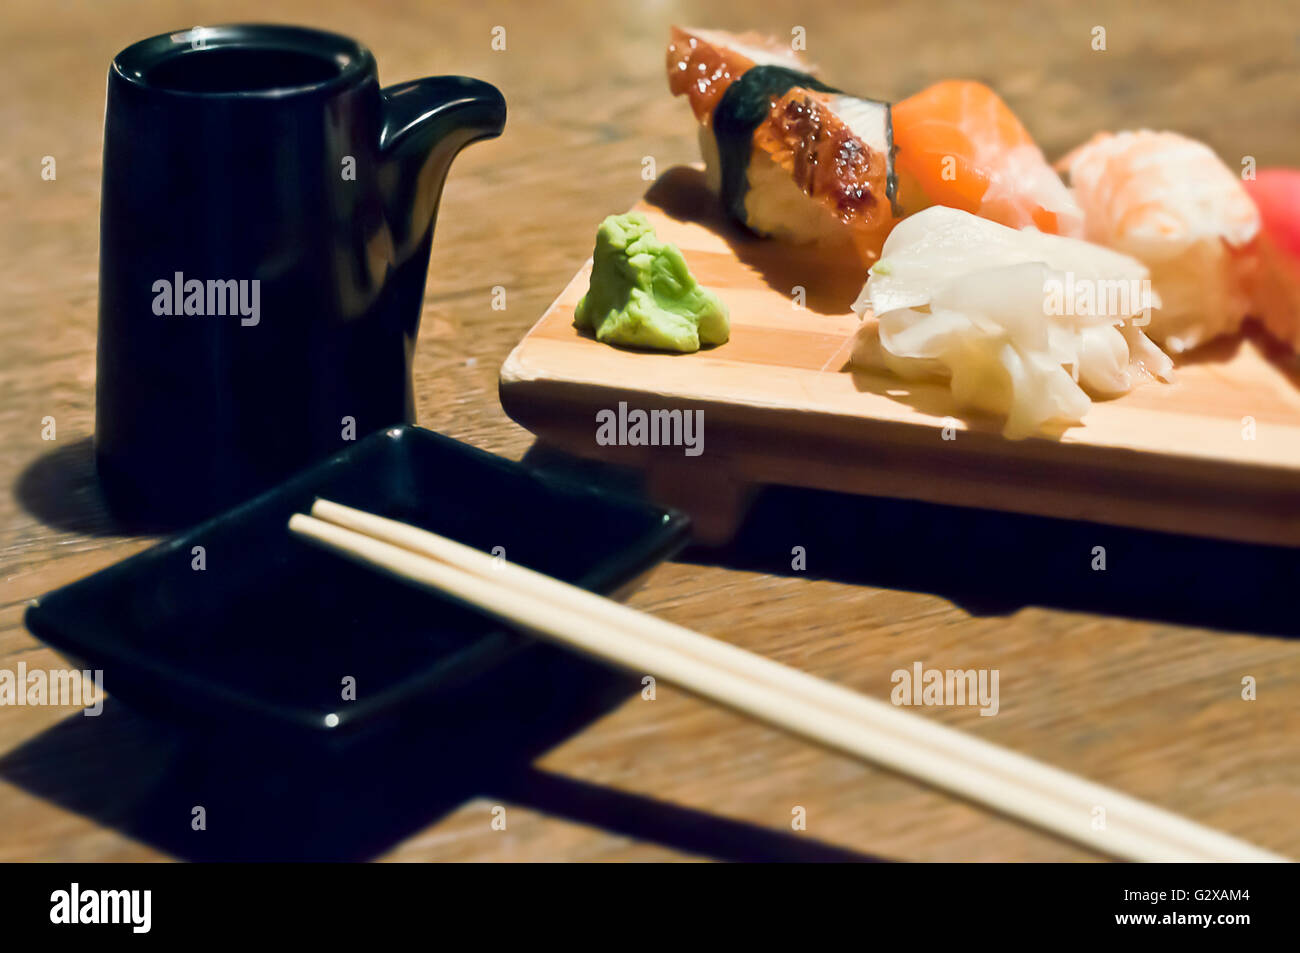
(643, 295)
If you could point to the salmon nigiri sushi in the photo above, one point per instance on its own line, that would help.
(961, 146)
(790, 157)
(1170, 202)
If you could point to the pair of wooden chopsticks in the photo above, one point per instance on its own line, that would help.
(1064, 804)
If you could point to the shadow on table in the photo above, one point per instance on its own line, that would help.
(268, 802)
(993, 563)
(61, 489)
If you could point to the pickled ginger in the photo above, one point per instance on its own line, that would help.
(1022, 324)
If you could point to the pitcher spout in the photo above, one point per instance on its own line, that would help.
(426, 123)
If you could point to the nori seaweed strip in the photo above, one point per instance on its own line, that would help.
(743, 107)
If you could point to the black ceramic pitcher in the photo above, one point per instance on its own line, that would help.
(266, 222)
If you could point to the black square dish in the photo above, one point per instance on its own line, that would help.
(266, 634)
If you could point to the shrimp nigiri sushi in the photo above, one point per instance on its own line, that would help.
(790, 157)
(1171, 203)
(961, 146)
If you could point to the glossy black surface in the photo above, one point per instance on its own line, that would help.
(263, 636)
(229, 155)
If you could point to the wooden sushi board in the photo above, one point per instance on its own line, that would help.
(1216, 454)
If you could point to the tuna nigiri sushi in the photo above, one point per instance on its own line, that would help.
(1170, 202)
(1275, 284)
(791, 157)
(963, 147)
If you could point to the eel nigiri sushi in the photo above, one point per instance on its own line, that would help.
(1171, 203)
(1021, 323)
(791, 157)
(961, 146)
(1275, 285)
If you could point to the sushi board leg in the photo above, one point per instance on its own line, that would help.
(715, 500)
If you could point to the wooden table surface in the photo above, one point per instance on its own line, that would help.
(1132, 676)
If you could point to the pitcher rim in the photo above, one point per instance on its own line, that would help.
(355, 61)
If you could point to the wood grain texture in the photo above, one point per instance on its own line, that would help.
(781, 404)
(1131, 677)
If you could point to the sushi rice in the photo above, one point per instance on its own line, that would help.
(775, 206)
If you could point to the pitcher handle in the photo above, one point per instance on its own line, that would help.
(426, 122)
